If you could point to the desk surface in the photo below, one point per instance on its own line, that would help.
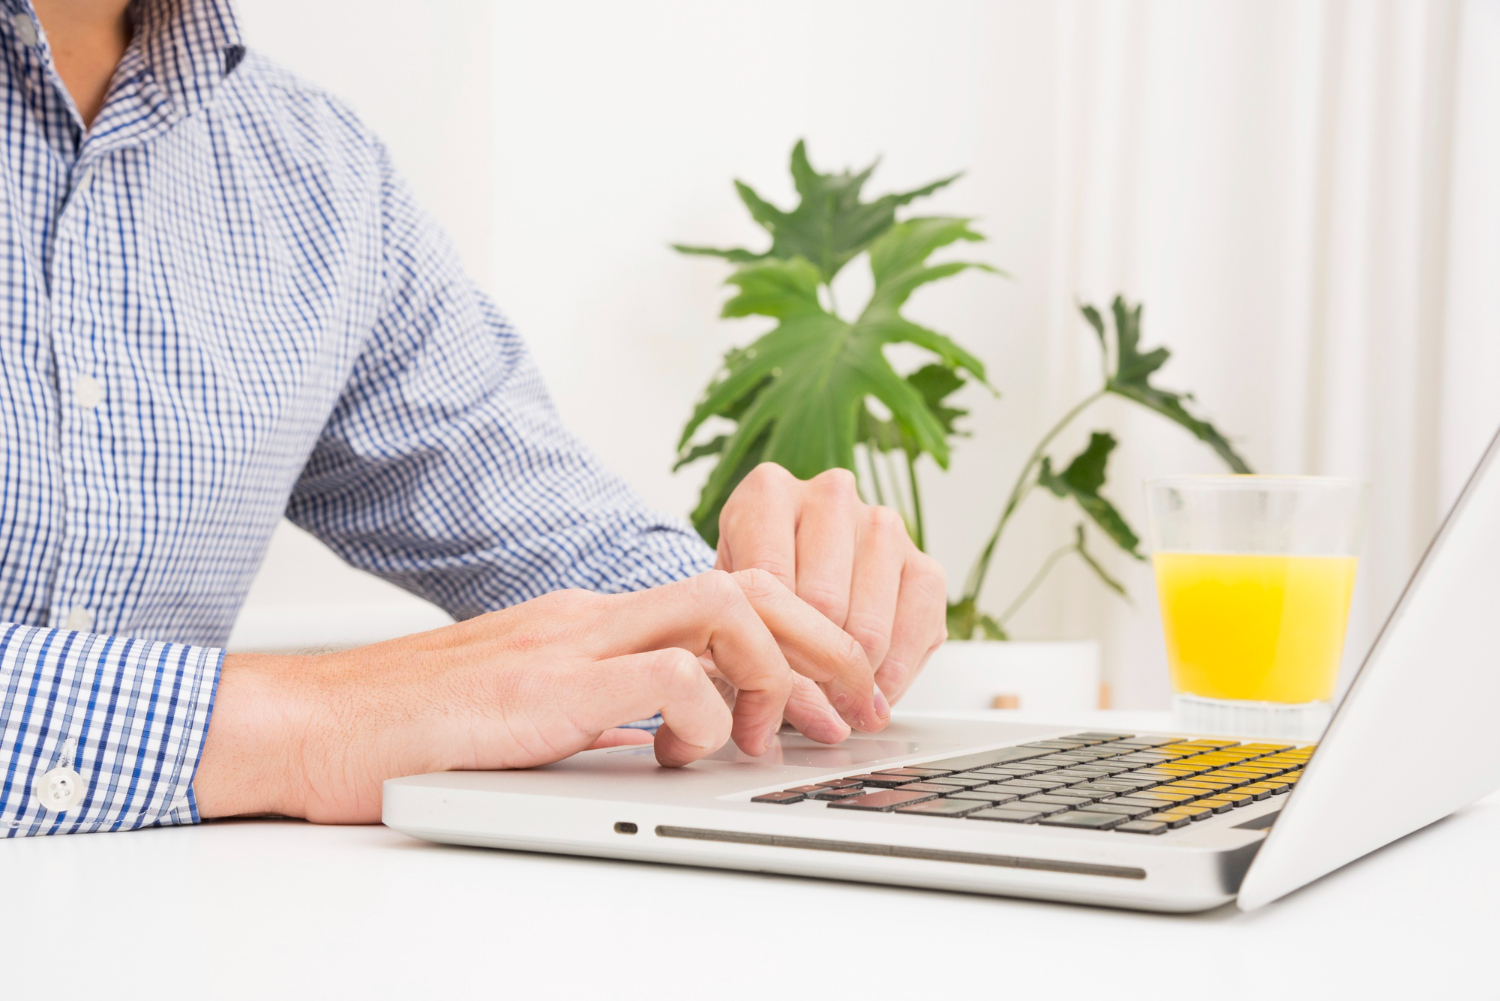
(290, 909)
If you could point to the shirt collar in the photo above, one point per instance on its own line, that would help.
(185, 47)
(188, 47)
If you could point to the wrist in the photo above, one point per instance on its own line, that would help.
(254, 754)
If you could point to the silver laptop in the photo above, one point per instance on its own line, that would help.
(1159, 821)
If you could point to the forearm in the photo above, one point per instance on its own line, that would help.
(252, 761)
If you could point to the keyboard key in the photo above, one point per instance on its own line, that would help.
(1072, 775)
(1143, 827)
(1053, 761)
(1042, 784)
(1160, 796)
(1087, 795)
(942, 808)
(1043, 809)
(805, 789)
(840, 784)
(1143, 759)
(837, 794)
(1254, 793)
(925, 787)
(1153, 804)
(1102, 768)
(883, 799)
(1123, 809)
(1096, 735)
(1057, 799)
(882, 780)
(1169, 820)
(992, 798)
(1008, 787)
(1110, 785)
(1184, 790)
(1084, 819)
(1194, 812)
(1010, 771)
(1150, 740)
(954, 782)
(1232, 798)
(1006, 814)
(915, 773)
(1204, 784)
(1276, 786)
(1215, 804)
(779, 797)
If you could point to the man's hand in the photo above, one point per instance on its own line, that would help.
(315, 736)
(851, 561)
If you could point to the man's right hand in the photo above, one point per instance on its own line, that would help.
(316, 736)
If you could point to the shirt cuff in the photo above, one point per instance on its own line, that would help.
(127, 716)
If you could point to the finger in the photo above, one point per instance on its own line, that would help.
(671, 682)
(758, 526)
(920, 624)
(808, 710)
(878, 565)
(620, 736)
(827, 524)
(706, 614)
(817, 649)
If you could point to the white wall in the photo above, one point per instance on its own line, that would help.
(1302, 193)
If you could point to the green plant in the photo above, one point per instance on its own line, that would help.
(1126, 373)
(801, 395)
(818, 392)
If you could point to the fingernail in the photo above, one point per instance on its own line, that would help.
(882, 707)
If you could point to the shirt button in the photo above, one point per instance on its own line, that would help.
(88, 392)
(25, 29)
(59, 789)
(80, 620)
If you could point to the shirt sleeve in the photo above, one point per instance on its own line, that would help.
(127, 717)
(445, 468)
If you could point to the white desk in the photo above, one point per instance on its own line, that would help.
(283, 909)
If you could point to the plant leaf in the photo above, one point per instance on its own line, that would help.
(735, 254)
(935, 382)
(1082, 480)
(1087, 557)
(1132, 379)
(830, 225)
(703, 451)
(965, 619)
(807, 380)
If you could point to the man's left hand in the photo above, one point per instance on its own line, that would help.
(852, 561)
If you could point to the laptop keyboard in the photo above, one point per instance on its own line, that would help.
(1087, 781)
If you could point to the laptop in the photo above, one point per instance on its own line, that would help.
(1154, 821)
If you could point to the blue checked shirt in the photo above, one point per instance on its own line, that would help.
(220, 304)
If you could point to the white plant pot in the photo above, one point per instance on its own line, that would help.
(1051, 676)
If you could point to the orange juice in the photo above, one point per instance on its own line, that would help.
(1268, 628)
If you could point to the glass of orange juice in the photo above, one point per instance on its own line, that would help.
(1254, 575)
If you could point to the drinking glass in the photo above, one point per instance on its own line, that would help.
(1255, 575)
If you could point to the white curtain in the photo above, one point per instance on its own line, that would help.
(1306, 195)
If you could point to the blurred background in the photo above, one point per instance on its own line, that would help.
(1303, 193)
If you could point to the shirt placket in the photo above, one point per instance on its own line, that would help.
(83, 401)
